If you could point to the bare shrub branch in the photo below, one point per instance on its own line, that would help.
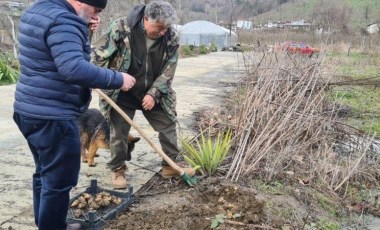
(284, 123)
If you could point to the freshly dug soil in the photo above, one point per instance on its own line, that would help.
(172, 204)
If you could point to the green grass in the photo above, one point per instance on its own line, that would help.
(273, 187)
(364, 101)
(343, 96)
(358, 193)
(359, 7)
(324, 224)
(358, 65)
(360, 73)
(365, 105)
(371, 127)
(326, 204)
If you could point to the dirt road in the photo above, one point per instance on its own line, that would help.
(197, 83)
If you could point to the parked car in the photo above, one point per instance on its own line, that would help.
(297, 48)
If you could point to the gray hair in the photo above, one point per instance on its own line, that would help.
(161, 11)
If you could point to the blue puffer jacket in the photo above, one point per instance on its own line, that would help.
(54, 57)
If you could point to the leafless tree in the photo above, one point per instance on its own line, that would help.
(331, 17)
(13, 36)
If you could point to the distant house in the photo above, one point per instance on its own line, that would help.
(373, 28)
(300, 24)
(271, 25)
(228, 25)
(244, 24)
(15, 5)
(274, 25)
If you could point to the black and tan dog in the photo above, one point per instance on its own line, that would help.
(95, 134)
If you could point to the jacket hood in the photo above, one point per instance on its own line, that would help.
(135, 15)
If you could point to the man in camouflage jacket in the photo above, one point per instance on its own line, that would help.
(145, 45)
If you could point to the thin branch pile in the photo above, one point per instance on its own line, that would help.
(284, 125)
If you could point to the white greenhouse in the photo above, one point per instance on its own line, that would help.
(205, 33)
(231, 38)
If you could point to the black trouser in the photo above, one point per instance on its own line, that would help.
(55, 146)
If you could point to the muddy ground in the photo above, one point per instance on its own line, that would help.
(172, 204)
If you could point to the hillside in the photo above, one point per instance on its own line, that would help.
(344, 15)
(354, 13)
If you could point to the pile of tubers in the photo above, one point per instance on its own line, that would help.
(93, 202)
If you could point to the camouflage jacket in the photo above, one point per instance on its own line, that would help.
(112, 50)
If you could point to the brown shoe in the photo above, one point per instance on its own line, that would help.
(169, 172)
(75, 226)
(118, 178)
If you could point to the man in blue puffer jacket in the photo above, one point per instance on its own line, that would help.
(53, 90)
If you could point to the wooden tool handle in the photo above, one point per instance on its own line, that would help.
(142, 133)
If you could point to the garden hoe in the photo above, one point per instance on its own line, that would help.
(190, 180)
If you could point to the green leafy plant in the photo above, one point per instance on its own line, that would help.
(7, 73)
(203, 49)
(187, 51)
(220, 218)
(213, 47)
(207, 154)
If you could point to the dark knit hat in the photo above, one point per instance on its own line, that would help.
(96, 3)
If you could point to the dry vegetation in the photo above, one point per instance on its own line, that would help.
(333, 43)
(284, 125)
(288, 131)
(300, 163)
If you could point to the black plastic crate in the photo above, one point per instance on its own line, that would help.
(94, 219)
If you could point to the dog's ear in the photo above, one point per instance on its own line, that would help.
(133, 139)
(136, 139)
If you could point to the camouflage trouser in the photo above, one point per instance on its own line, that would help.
(160, 122)
(168, 103)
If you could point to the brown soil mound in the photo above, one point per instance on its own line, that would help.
(174, 205)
